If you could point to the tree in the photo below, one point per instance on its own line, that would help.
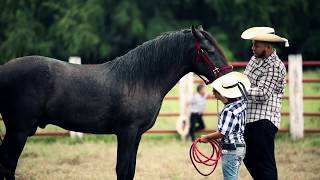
(100, 30)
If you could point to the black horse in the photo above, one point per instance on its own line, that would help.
(121, 97)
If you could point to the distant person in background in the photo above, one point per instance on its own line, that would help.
(197, 106)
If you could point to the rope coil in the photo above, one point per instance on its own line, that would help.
(197, 157)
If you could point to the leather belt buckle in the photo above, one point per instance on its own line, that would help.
(229, 146)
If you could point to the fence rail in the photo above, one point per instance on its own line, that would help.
(306, 80)
(176, 114)
(167, 131)
(306, 63)
(174, 98)
(235, 64)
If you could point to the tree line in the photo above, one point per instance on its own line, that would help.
(99, 30)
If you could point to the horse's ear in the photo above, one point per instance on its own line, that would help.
(196, 33)
(200, 28)
(193, 31)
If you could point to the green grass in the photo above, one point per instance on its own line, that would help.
(157, 159)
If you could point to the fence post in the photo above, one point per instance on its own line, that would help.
(75, 60)
(296, 96)
(185, 93)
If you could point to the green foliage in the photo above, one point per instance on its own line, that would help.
(98, 30)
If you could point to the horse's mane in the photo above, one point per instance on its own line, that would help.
(153, 57)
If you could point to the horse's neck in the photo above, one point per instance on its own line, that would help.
(157, 78)
(165, 73)
(156, 65)
(170, 79)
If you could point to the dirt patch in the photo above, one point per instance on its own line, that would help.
(165, 160)
(70, 161)
(29, 155)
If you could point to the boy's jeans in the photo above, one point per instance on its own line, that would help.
(231, 160)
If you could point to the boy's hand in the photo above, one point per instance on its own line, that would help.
(203, 139)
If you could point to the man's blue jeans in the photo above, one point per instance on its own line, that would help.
(231, 160)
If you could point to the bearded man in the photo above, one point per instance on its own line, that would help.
(266, 73)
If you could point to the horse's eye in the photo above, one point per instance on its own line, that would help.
(208, 47)
(211, 49)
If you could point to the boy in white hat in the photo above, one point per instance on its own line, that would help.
(231, 90)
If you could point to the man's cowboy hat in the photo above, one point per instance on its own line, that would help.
(265, 34)
(232, 85)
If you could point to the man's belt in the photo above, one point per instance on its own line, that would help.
(231, 146)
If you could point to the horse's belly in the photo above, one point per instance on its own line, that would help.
(86, 126)
(88, 121)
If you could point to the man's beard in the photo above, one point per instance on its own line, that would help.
(262, 55)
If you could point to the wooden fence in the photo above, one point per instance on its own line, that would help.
(297, 128)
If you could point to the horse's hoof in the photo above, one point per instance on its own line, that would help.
(10, 177)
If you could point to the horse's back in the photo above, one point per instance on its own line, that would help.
(89, 98)
(26, 71)
(26, 67)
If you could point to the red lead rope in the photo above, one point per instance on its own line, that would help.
(197, 157)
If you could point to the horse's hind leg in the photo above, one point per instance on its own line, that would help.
(128, 142)
(17, 132)
(11, 149)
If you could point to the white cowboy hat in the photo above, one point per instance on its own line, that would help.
(231, 84)
(265, 34)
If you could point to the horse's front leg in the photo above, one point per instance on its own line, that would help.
(128, 142)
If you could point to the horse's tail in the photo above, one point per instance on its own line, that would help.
(2, 86)
(1, 103)
(5, 80)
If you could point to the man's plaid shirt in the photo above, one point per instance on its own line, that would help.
(267, 77)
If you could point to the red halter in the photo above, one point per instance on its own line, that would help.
(202, 55)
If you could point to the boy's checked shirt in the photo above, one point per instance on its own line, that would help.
(232, 122)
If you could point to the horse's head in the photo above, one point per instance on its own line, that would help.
(209, 61)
